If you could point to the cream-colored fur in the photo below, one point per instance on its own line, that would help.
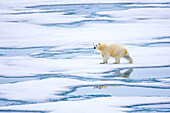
(112, 50)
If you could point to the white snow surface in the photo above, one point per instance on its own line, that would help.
(132, 28)
(43, 90)
(100, 105)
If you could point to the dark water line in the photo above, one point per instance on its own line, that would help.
(141, 67)
(127, 3)
(79, 97)
(147, 110)
(21, 13)
(7, 102)
(151, 44)
(164, 37)
(147, 104)
(77, 23)
(163, 66)
(87, 4)
(154, 43)
(36, 47)
(19, 101)
(22, 111)
(148, 107)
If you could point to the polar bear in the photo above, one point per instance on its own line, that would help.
(112, 50)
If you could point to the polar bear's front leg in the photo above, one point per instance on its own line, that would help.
(105, 58)
(117, 60)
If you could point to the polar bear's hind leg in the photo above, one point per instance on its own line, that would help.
(127, 57)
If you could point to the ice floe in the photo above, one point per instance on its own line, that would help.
(46, 55)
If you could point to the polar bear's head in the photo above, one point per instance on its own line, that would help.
(96, 45)
(99, 46)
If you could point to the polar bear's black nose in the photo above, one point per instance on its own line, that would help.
(94, 47)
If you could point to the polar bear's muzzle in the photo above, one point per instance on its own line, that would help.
(94, 47)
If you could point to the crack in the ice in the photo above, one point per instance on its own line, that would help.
(149, 107)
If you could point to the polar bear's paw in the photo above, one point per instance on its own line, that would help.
(103, 63)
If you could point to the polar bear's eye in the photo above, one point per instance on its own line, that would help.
(99, 44)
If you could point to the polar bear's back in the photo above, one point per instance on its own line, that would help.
(117, 50)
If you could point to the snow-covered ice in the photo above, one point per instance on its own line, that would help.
(48, 63)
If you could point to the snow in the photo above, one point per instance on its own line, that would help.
(37, 42)
(28, 66)
(131, 14)
(52, 88)
(99, 105)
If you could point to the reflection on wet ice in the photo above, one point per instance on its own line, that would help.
(118, 73)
